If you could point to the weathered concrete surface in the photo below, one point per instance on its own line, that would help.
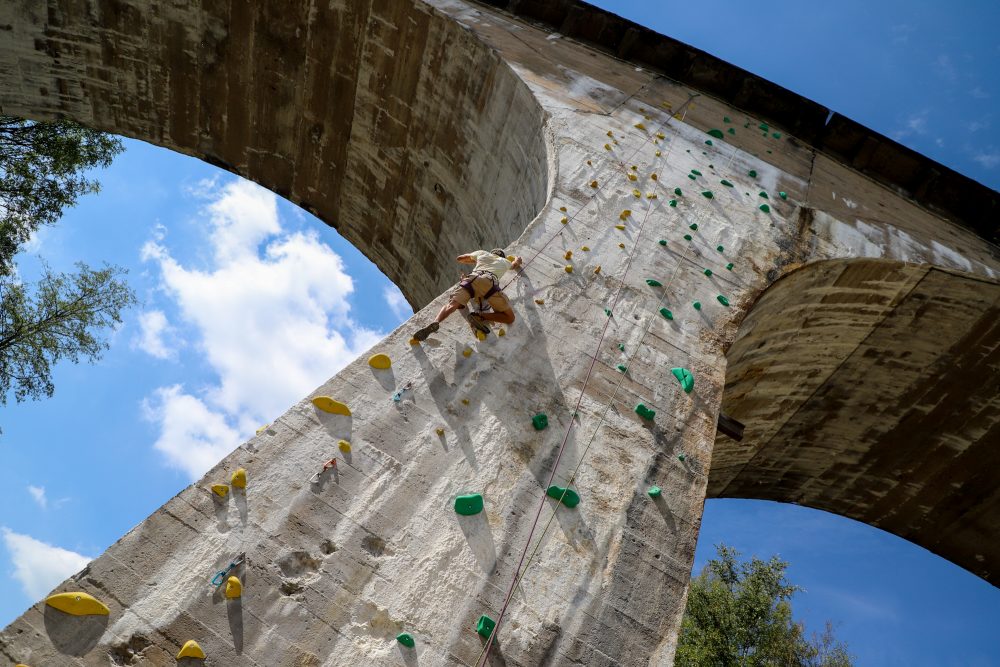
(422, 130)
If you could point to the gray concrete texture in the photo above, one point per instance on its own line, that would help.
(859, 346)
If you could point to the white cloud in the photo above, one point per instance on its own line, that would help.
(901, 33)
(977, 125)
(989, 158)
(397, 302)
(38, 494)
(270, 316)
(192, 437)
(915, 124)
(946, 68)
(40, 567)
(153, 327)
(979, 94)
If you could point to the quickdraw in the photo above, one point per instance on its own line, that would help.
(221, 575)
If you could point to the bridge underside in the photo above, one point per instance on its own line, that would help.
(871, 389)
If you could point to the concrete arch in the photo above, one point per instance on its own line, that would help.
(869, 388)
(388, 121)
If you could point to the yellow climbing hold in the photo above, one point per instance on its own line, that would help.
(344, 446)
(568, 268)
(589, 163)
(568, 255)
(234, 589)
(414, 341)
(640, 126)
(465, 401)
(660, 135)
(636, 193)
(619, 226)
(327, 404)
(611, 134)
(380, 361)
(651, 195)
(593, 184)
(539, 301)
(221, 490)
(597, 269)
(562, 208)
(585, 248)
(632, 177)
(657, 153)
(239, 479)
(77, 603)
(564, 220)
(467, 352)
(262, 429)
(439, 431)
(480, 336)
(511, 258)
(502, 332)
(607, 147)
(625, 214)
(621, 245)
(191, 649)
(653, 176)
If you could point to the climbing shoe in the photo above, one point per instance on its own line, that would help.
(422, 334)
(479, 324)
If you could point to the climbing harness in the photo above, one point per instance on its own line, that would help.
(221, 575)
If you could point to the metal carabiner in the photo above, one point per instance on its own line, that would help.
(220, 576)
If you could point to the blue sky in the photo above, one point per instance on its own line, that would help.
(220, 264)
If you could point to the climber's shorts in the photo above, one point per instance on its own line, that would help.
(478, 286)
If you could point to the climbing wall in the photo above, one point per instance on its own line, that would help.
(532, 498)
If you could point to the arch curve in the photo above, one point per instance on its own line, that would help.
(869, 388)
(388, 121)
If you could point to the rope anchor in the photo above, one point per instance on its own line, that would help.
(221, 575)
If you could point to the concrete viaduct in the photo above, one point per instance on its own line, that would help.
(860, 345)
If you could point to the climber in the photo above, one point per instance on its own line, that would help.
(483, 284)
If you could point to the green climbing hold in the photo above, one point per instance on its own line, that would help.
(681, 457)
(708, 142)
(708, 272)
(693, 226)
(654, 491)
(720, 248)
(540, 421)
(685, 377)
(726, 183)
(770, 151)
(644, 412)
(726, 119)
(672, 202)
(621, 346)
(783, 195)
(469, 504)
(765, 208)
(715, 133)
(752, 173)
(663, 242)
(677, 191)
(607, 311)
(623, 368)
(763, 126)
(406, 639)
(696, 172)
(731, 131)
(484, 626)
(746, 124)
(687, 237)
(692, 177)
(729, 266)
(666, 313)
(776, 135)
(723, 300)
(697, 305)
(653, 283)
(763, 194)
(707, 194)
(566, 496)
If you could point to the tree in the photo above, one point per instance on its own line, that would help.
(740, 614)
(62, 316)
(42, 169)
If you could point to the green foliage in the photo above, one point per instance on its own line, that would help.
(52, 320)
(739, 614)
(42, 172)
